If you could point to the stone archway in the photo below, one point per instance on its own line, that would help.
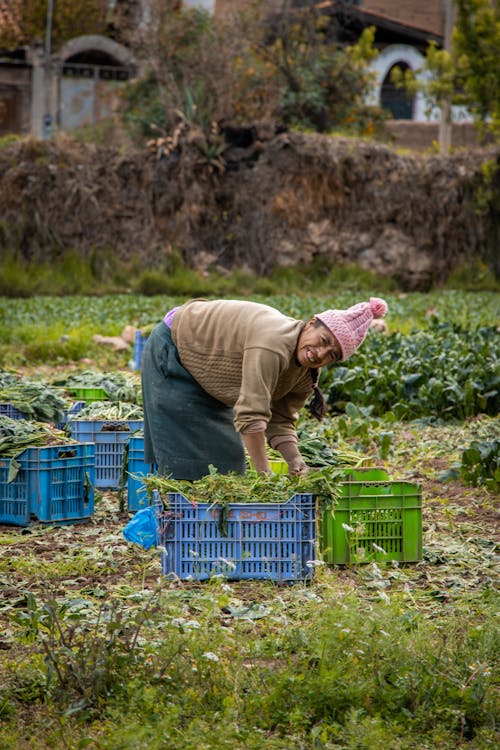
(95, 42)
(405, 56)
(394, 99)
(91, 69)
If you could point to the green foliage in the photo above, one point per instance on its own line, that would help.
(202, 71)
(480, 464)
(7, 140)
(86, 648)
(188, 62)
(320, 85)
(473, 276)
(71, 273)
(27, 20)
(468, 74)
(143, 110)
(446, 372)
(476, 42)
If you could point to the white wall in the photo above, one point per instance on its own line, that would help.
(204, 4)
(405, 53)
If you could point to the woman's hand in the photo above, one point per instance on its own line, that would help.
(298, 467)
(255, 443)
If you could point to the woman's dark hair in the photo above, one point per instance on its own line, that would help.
(317, 404)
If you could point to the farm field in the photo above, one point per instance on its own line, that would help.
(99, 650)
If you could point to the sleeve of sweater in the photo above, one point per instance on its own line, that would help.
(260, 372)
(284, 415)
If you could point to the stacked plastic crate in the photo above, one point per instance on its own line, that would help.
(53, 484)
(110, 438)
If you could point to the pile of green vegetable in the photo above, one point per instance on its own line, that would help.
(222, 489)
(34, 399)
(18, 434)
(110, 411)
(118, 386)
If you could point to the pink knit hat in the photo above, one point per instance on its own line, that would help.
(350, 326)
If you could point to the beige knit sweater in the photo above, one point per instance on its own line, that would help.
(242, 353)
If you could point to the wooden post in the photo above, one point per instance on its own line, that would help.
(445, 123)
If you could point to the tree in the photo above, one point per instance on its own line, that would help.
(321, 83)
(25, 21)
(288, 69)
(468, 74)
(476, 43)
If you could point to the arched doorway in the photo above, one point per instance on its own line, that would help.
(92, 69)
(394, 99)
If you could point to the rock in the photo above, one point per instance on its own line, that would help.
(128, 334)
(379, 325)
(114, 342)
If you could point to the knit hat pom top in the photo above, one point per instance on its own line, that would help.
(378, 306)
(351, 326)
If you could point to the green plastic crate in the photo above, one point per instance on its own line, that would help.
(365, 474)
(373, 521)
(89, 395)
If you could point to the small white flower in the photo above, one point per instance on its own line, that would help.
(229, 563)
(210, 656)
(376, 570)
(180, 622)
(346, 527)
(379, 549)
(194, 553)
(314, 563)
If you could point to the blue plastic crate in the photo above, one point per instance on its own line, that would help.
(109, 439)
(53, 484)
(273, 541)
(139, 344)
(137, 497)
(71, 413)
(7, 410)
(14, 496)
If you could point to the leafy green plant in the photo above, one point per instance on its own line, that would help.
(86, 648)
(446, 371)
(480, 464)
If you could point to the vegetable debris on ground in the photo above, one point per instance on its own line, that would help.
(35, 400)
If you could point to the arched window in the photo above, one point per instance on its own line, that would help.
(396, 100)
(94, 63)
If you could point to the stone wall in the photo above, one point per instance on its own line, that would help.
(282, 200)
(424, 136)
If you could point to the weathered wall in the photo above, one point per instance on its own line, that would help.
(281, 200)
(423, 136)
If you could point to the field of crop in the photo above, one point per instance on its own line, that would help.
(99, 650)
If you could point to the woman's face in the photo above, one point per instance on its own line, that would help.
(317, 346)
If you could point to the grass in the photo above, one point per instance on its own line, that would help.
(99, 650)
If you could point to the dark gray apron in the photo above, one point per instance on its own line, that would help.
(185, 429)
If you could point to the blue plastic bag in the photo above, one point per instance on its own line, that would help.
(142, 528)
